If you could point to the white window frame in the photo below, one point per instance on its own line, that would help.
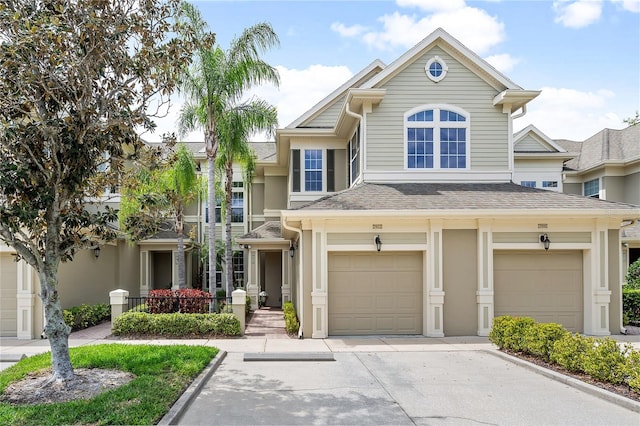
(443, 64)
(436, 126)
(322, 169)
(522, 183)
(354, 158)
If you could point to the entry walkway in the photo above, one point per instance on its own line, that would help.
(266, 322)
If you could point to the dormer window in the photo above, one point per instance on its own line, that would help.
(436, 69)
(313, 170)
(437, 138)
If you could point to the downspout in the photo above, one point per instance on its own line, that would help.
(360, 119)
(299, 270)
(512, 165)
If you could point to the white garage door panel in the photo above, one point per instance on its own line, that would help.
(377, 293)
(8, 296)
(545, 286)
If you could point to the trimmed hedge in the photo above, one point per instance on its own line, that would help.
(186, 300)
(601, 358)
(291, 323)
(632, 277)
(84, 316)
(176, 325)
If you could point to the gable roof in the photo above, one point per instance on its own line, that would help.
(545, 144)
(463, 197)
(355, 81)
(452, 46)
(606, 146)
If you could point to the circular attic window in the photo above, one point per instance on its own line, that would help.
(436, 69)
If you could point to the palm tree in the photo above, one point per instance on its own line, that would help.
(150, 196)
(234, 129)
(214, 85)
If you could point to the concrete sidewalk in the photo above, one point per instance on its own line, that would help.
(377, 379)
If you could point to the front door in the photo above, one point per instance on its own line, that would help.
(272, 282)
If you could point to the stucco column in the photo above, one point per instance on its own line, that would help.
(118, 301)
(253, 275)
(286, 276)
(435, 292)
(26, 302)
(597, 293)
(144, 273)
(320, 321)
(238, 304)
(484, 293)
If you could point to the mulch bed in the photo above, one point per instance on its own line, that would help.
(619, 389)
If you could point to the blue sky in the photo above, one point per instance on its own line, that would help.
(584, 55)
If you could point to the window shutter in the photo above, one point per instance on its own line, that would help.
(295, 168)
(331, 174)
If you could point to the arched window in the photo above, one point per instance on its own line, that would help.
(437, 137)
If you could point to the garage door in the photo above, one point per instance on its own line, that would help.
(375, 293)
(546, 286)
(8, 296)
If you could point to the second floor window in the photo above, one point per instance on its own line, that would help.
(592, 188)
(528, 183)
(313, 170)
(437, 138)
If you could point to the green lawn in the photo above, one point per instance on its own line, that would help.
(162, 374)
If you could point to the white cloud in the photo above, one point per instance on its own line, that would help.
(629, 5)
(577, 14)
(474, 27)
(299, 91)
(345, 31)
(433, 5)
(502, 62)
(571, 114)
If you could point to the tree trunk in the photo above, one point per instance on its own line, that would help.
(179, 231)
(228, 248)
(211, 231)
(56, 330)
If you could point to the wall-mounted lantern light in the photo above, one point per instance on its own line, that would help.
(96, 252)
(378, 242)
(292, 250)
(544, 239)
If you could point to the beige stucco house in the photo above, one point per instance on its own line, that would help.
(401, 203)
(401, 214)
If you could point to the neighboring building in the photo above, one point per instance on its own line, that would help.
(607, 166)
(394, 206)
(400, 215)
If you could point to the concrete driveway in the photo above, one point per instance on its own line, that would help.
(444, 387)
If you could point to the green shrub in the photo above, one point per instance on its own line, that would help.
(605, 361)
(633, 275)
(540, 337)
(247, 305)
(499, 330)
(631, 303)
(176, 325)
(632, 369)
(570, 351)
(84, 316)
(515, 332)
(291, 323)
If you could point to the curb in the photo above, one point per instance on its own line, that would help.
(570, 381)
(178, 409)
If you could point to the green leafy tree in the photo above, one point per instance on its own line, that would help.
(234, 129)
(214, 85)
(76, 82)
(154, 199)
(633, 121)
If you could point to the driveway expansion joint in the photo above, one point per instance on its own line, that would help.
(289, 356)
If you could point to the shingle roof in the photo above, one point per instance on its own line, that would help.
(631, 233)
(268, 230)
(264, 150)
(456, 196)
(606, 145)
